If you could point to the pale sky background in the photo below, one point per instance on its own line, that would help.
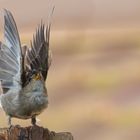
(74, 13)
(94, 80)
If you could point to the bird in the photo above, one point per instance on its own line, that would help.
(23, 71)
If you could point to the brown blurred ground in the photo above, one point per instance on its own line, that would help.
(93, 83)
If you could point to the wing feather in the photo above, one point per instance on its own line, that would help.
(37, 55)
(10, 55)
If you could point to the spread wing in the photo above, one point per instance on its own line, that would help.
(10, 55)
(37, 56)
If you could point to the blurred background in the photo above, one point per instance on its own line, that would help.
(94, 80)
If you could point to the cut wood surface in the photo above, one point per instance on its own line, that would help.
(32, 133)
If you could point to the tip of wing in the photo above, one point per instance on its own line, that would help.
(11, 32)
(7, 13)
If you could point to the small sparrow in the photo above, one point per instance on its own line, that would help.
(23, 71)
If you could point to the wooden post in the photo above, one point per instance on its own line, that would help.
(32, 133)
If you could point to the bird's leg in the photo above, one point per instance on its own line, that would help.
(33, 120)
(9, 121)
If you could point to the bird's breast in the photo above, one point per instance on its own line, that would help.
(27, 103)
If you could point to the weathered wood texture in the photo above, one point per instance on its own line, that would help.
(32, 133)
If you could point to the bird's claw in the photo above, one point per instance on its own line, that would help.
(52, 133)
(22, 135)
(33, 121)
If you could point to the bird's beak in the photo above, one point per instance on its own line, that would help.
(38, 77)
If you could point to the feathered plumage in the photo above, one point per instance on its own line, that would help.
(23, 71)
(35, 59)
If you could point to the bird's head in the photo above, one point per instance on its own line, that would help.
(36, 82)
(34, 75)
(37, 76)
